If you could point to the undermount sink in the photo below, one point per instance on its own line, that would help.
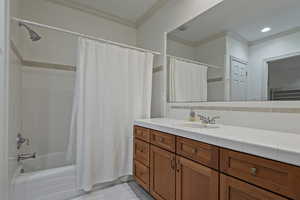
(197, 125)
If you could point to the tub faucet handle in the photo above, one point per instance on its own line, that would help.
(25, 156)
(21, 140)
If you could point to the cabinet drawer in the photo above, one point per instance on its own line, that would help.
(142, 133)
(233, 189)
(163, 140)
(280, 178)
(142, 152)
(141, 175)
(200, 152)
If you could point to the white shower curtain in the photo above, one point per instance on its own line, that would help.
(113, 87)
(187, 81)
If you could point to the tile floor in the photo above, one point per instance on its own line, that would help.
(125, 191)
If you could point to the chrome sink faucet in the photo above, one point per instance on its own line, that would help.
(208, 120)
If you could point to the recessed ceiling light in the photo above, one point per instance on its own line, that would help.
(267, 29)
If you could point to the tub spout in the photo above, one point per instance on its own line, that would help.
(25, 156)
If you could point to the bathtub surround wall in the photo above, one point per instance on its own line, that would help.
(15, 75)
(47, 97)
(14, 109)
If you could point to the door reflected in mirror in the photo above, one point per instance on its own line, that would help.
(239, 50)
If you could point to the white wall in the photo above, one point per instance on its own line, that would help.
(14, 126)
(15, 33)
(285, 122)
(57, 47)
(171, 16)
(47, 97)
(175, 48)
(152, 34)
(14, 110)
(260, 52)
(4, 97)
(157, 94)
(238, 48)
(213, 52)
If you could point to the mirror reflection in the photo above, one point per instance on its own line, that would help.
(240, 50)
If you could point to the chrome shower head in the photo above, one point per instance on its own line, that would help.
(33, 35)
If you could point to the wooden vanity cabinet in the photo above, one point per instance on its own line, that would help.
(200, 152)
(162, 174)
(234, 189)
(142, 133)
(195, 181)
(141, 175)
(163, 140)
(177, 168)
(141, 152)
(171, 175)
(275, 176)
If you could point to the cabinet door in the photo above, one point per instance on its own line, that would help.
(141, 152)
(195, 181)
(141, 174)
(162, 174)
(233, 189)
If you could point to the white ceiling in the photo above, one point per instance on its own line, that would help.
(244, 17)
(129, 12)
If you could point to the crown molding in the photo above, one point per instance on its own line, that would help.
(106, 15)
(197, 43)
(180, 40)
(275, 36)
(94, 11)
(158, 4)
(238, 37)
(210, 38)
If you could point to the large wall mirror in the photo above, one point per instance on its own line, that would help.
(240, 50)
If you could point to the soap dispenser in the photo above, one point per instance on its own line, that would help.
(192, 115)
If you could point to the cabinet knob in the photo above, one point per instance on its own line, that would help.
(253, 171)
(161, 139)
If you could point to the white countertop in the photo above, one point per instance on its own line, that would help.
(279, 146)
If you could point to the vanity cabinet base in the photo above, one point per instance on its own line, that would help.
(170, 167)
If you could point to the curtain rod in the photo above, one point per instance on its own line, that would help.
(195, 62)
(85, 36)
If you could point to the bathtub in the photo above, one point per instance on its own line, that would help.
(31, 183)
